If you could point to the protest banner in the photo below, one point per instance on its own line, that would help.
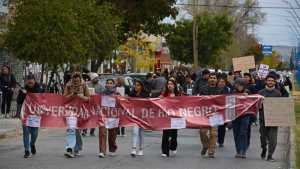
(55, 111)
(243, 63)
(279, 111)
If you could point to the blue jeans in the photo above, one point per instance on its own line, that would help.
(33, 131)
(73, 139)
(241, 134)
(137, 137)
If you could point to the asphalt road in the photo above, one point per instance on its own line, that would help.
(50, 155)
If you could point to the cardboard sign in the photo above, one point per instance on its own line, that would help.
(279, 111)
(243, 63)
(263, 70)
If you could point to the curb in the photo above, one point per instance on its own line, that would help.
(291, 150)
(4, 133)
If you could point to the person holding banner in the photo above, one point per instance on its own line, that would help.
(138, 132)
(209, 142)
(223, 85)
(76, 87)
(169, 137)
(31, 86)
(242, 125)
(112, 133)
(268, 135)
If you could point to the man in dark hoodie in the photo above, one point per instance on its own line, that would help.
(209, 141)
(268, 135)
(31, 86)
(201, 82)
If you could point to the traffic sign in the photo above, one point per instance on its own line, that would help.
(267, 49)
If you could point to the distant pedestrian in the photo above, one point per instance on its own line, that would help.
(7, 85)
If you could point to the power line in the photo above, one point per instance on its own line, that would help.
(238, 6)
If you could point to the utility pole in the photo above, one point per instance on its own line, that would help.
(195, 33)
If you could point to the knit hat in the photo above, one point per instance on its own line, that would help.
(93, 75)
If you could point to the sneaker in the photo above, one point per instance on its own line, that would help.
(263, 154)
(164, 155)
(211, 155)
(133, 153)
(203, 152)
(243, 156)
(221, 145)
(140, 153)
(112, 154)
(76, 153)
(101, 155)
(270, 159)
(238, 156)
(174, 152)
(33, 150)
(69, 153)
(27, 154)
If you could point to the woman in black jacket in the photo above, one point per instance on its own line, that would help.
(138, 132)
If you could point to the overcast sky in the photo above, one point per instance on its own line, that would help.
(277, 29)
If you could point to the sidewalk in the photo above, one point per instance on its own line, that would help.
(10, 127)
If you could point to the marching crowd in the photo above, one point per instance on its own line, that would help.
(165, 84)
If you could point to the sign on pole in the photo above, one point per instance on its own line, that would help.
(267, 49)
(279, 111)
(243, 63)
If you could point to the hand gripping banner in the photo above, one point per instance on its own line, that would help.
(56, 111)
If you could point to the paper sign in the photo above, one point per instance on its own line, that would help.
(111, 123)
(216, 120)
(178, 123)
(92, 91)
(279, 111)
(230, 108)
(71, 122)
(121, 91)
(263, 70)
(33, 121)
(108, 101)
(189, 92)
(243, 63)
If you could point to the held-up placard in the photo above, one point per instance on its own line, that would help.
(243, 63)
(33, 121)
(263, 70)
(178, 123)
(279, 111)
(108, 101)
(111, 123)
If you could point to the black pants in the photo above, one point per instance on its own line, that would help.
(121, 131)
(221, 134)
(6, 101)
(169, 141)
(268, 138)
